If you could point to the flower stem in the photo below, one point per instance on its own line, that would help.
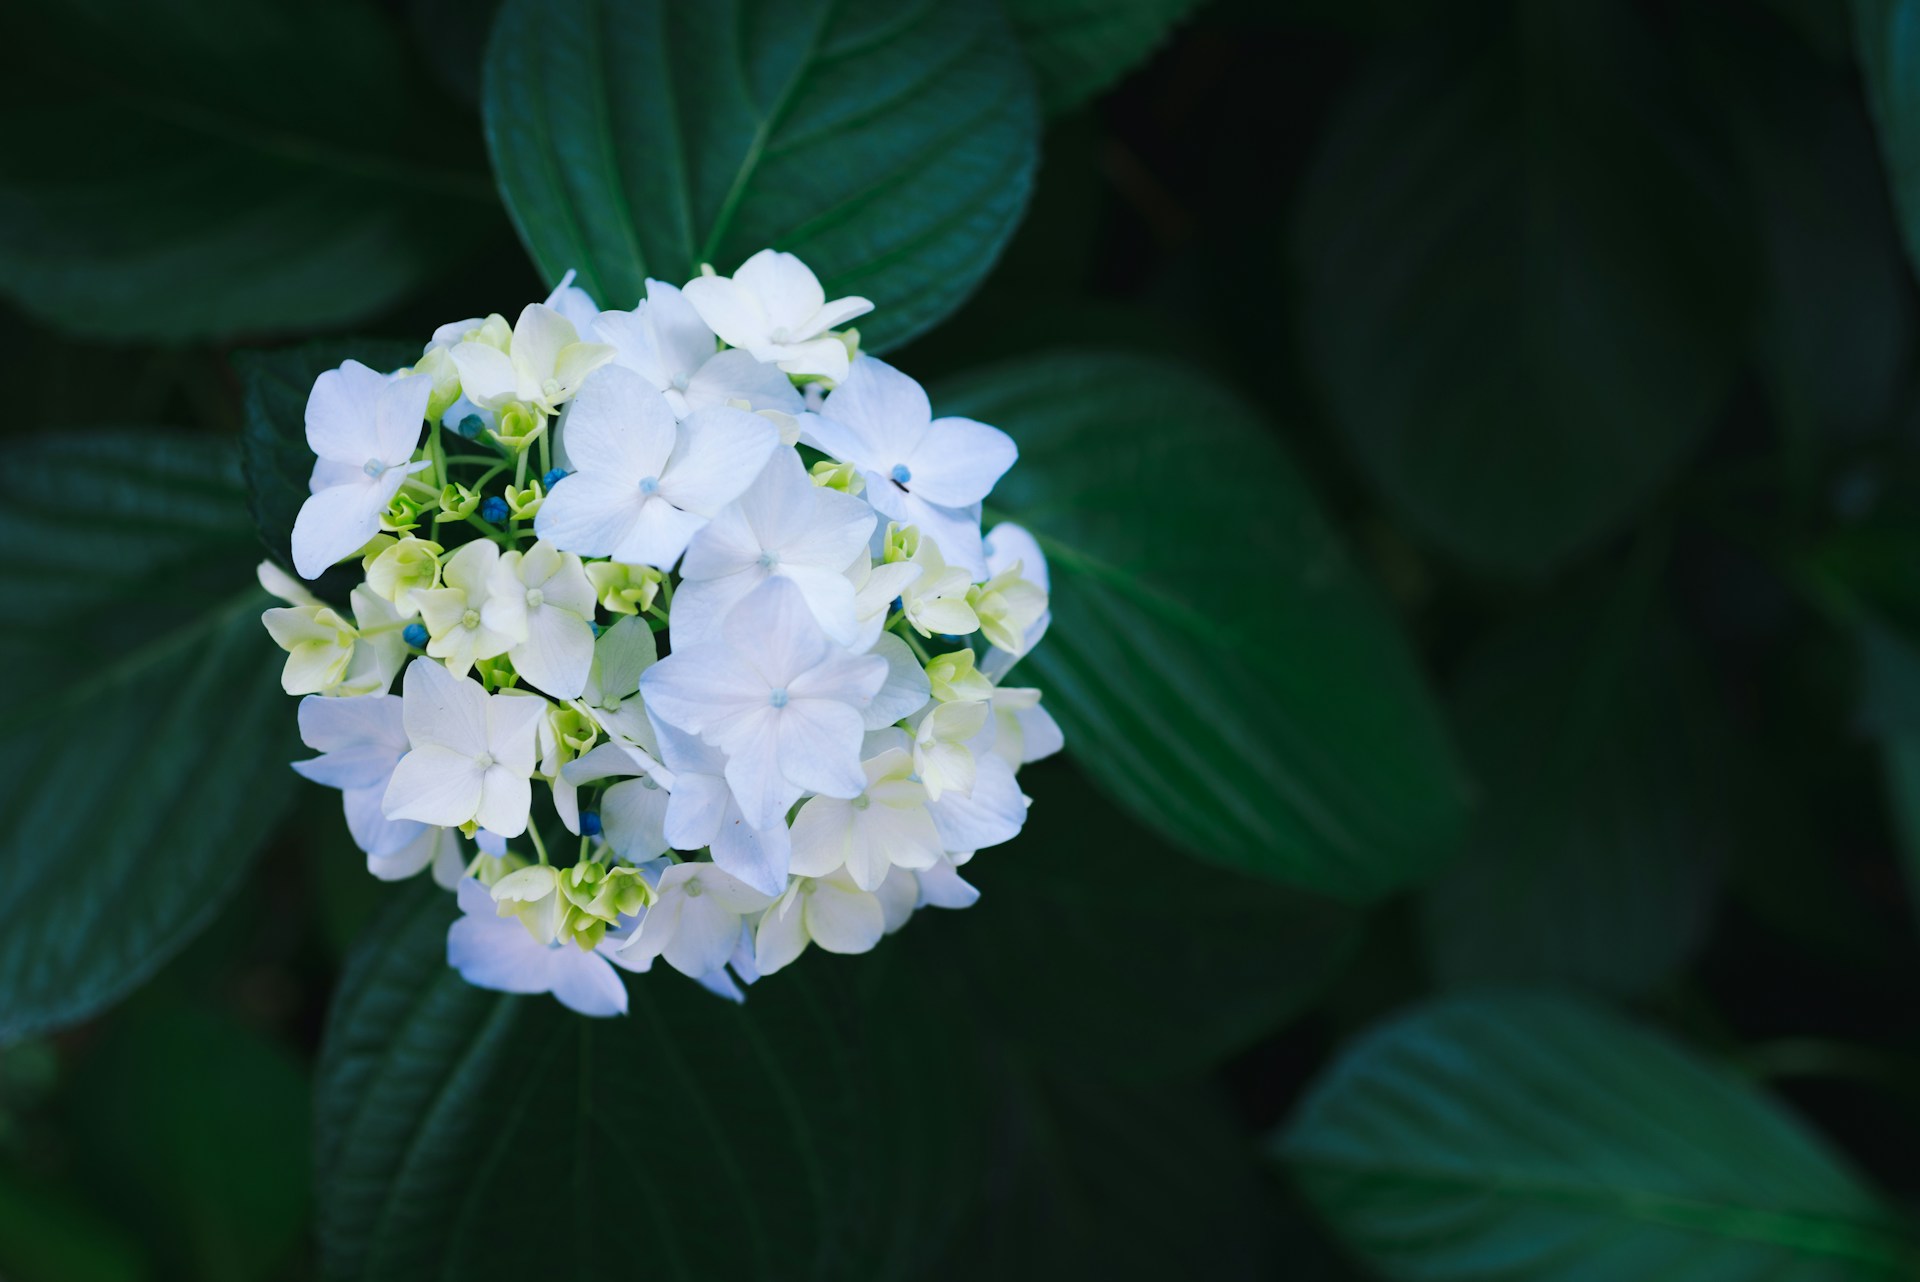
(540, 848)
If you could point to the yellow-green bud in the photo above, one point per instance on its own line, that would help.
(375, 546)
(574, 729)
(525, 504)
(519, 426)
(457, 503)
(404, 512)
(902, 543)
(489, 869)
(955, 679)
(838, 476)
(403, 566)
(1007, 605)
(623, 589)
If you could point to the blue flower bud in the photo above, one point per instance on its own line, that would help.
(470, 426)
(553, 477)
(493, 509)
(590, 823)
(415, 635)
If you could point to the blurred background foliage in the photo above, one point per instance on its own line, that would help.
(1490, 436)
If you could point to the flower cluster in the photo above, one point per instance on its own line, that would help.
(711, 575)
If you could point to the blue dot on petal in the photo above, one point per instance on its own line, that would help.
(493, 509)
(415, 635)
(590, 823)
(901, 473)
(553, 477)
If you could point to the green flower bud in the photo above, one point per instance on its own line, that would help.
(519, 426)
(623, 589)
(404, 566)
(574, 730)
(955, 680)
(902, 543)
(838, 476)
(438, 365)
(404, 512)
(457, 503)
(525, 504)
(488, 870)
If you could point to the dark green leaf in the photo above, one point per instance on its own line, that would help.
(1522, 295)
(827, 1129)
(890, 146)
(49, 1234)
(144, 755)
(273, 447)
(198, 1132)
(1219, 665)
(1886, 37)
(1604, 818)
(1079, 47)
(1097, 1180)
(1530, 1137)
(180, 168)
(1077, 949)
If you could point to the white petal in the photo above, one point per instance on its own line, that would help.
(819, 747)
(506, 799)
(821, 833)
(557, 653)
(371, 830)
(993, 813)
(726, 377)
(487, 376)
(590, 514)
(720, 452)
(584, 982)
(782, 935)
(756, 856)
(434, 785)
(906, 689)
(775, 631)
(875, 418)
(704, 938)
(842, 919)
(941, 886)
(763, 791)
(619, 427)
(1008, 545)
(335, 523)
(786, 288)
(959, 461)
(730, 310)
(343, 415)
(442, 709)
(659, 535)
(634, 814)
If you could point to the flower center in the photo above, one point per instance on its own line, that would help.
(484, 761)
(769, 559)
(374, 467)
(901, 474)
(471, 619)
(535, 598)
(649, 484)
(550, 387)
(862, 801)
(781, 335)
(778, 697)
(693, 890)
(680, 382)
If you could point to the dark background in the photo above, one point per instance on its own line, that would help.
(1684, 687)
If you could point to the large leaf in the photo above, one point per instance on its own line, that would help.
(1079, 47)
(1520, 291)
(889, 145)
(1529, 1137)
(1098, 1180)
(273, 446)
(178, 168)
(827, 1129)
(143, 754)
(1081, 949)
(1886, 36)
(1220, 666)
(1605, 808)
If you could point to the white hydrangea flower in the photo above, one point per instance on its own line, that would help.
(919, 470)
(774, 308)
(1023, 731)
(491, 951)
(621, 656)
(695, 921)
(363, 427)
(542, 595)
(455, 615)
(781, 700)
(703, 812)
(360, 740)
(665, 342)
(471, 757)
(830, 911)
(1009, 546)
(782, 526)
(543, 366)
(645, 482)
(886, 826)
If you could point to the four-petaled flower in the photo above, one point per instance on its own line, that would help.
(775, 309)
(471, 755)
(363, 427)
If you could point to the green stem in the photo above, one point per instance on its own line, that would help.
(540, 847)
(913, 644)
(437, 452)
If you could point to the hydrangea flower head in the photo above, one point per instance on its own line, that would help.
(703, 649)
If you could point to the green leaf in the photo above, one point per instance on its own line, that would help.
(197, 1131)
(1193, 977)
(1605, 811)
(827, 1129)
(49, 1234)
(273, 446)
(144, 756)
(1219, 665)
(1079, 47)
(1520, 289)
(889, 145)
(182, 168)
(1531, 1137)
(1096, 1179)
(1886, 39)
